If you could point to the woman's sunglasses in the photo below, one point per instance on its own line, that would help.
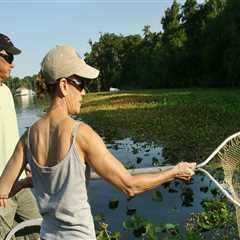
(7, 57)
(79, 83)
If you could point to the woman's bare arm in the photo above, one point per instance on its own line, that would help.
(13, 169)
(107, 166)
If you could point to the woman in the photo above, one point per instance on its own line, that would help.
(60, 149)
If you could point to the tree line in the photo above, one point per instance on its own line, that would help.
(198, 46)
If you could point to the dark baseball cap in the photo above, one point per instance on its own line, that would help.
(7, 45)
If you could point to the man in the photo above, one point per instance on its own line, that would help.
(22, 206)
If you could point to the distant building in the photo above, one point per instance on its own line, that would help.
(23, 91)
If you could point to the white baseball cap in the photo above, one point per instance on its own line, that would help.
(63, 61)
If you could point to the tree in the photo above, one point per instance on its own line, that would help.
(105, 55)
(173, 33)
(199, 46)
(189, 10)
(173, 40)
(13, 83)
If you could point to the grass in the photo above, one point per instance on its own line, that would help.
(189, 123)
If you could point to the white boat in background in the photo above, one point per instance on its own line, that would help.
(112, 89)
(23, 91)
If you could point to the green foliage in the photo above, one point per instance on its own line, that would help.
(143, 229)
(193, 236)
(215, 214)
(104, 234)
(140, 227)
(106, 55)
(173, 36)
(102, 231)
(13, 83)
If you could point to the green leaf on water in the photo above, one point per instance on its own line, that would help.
(171, 228)
(131, 211)
(139, 231)
(157, 196)
(130, 165)
(129, 224)
(214, 191)
(139, 160)
(155, 161)
(134, 150)
(172, 190)
(113, 204)
(204, 189)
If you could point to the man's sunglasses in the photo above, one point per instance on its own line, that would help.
(7, 57)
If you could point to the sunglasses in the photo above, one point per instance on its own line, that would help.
(79, 83)
(7, 57)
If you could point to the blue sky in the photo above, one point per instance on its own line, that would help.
(36, 26)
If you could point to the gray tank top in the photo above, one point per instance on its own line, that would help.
(61, 194)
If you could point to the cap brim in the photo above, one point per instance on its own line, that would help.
(83, 70)
(12, 50)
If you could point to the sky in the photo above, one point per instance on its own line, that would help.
(36, 26)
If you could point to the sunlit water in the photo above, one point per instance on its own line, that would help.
(174, 208)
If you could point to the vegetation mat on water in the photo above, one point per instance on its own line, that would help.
(190, 123)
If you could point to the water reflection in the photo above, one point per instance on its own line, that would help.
(25, 101)
(27, 112)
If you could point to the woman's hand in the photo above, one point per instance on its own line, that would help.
(17, 187)
(185, 170)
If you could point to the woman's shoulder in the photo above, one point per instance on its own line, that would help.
(40, 124)
(84, 128)
(86, 133)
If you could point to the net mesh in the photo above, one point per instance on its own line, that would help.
(229, 157)
(226, 166)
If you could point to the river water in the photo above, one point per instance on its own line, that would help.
(179, 199)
